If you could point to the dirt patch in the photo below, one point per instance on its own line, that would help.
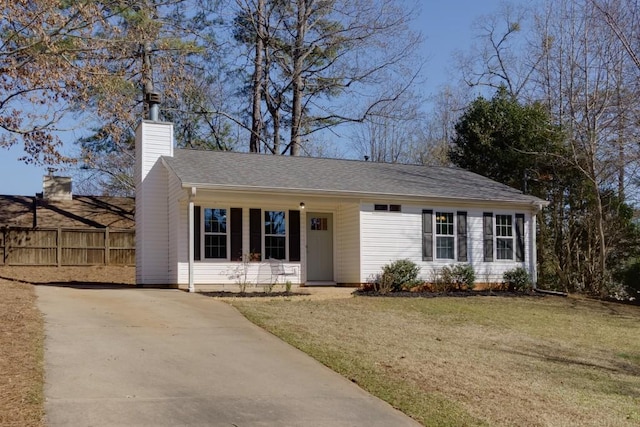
(68, 276)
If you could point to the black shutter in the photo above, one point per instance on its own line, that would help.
(236, 234)
(196, 232)
(427, 235)
(520, 237)
(462, 236)
(294, 235)
(488, 236)
(255, 234)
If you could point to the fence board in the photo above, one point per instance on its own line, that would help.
(69, 247)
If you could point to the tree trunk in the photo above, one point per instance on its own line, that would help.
(146, 76)
(258, 77)
(297, 82)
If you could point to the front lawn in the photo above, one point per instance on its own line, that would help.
(545, 361)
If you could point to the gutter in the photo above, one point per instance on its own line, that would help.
(360, 194)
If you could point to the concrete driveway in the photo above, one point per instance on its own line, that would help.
(167, 358)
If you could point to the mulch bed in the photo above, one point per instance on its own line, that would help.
(460, 294)
(256, 294)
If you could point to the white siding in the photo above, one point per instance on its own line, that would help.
(347, 235)
(221, 272)
(153, 140)
(174, 206)
(389, 236)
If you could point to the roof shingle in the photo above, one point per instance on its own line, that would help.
(309, 174)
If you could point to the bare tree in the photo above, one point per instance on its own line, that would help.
(48, 60)
(577, 63)
(499, 58)
(323, 60)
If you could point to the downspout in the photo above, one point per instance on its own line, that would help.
(192, 195)
(533, 258)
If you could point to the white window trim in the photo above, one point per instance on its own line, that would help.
(436, 235)
(203, 257)
(286, 233)
(496, 237)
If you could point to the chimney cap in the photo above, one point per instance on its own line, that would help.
(153, 98)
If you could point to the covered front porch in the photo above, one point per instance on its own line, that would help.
(251, 239)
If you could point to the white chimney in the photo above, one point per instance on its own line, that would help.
(153, 140)
(56, 188)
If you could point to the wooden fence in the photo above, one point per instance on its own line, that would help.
(66, 246)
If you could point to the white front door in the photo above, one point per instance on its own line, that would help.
(319, 247)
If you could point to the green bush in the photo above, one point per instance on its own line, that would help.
(455, 277)
(517, 280)
(464, 276)
(399, 275)
(629, 277)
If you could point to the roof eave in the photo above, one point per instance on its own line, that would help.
(534, 201)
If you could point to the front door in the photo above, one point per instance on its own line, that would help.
(319, 247)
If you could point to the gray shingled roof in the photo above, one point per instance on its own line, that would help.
(213, 169)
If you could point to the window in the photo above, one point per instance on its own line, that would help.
(504, 237)
(319, 224)
(274, 235)
(395, 208)
(445, 240)
(380, 207)
(215, 233)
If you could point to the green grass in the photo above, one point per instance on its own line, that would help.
(475, 361)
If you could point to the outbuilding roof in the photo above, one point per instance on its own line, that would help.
(250, 171)
(80, 212)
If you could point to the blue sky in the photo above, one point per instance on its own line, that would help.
(446, 26)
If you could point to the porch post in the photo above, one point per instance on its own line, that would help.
(533, 252)
(191, 239)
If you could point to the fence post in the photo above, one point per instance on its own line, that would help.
(106, 246)
(5, 246)
(59, 246)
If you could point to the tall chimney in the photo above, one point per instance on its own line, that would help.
(153, 140)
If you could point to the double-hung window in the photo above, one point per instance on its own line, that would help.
(274, 235)
(445, 240)
(504, 237)
(215, 233)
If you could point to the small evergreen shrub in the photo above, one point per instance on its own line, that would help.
(399, 275)
(443, 280)
(464, 277)
(455, 277)
(517, 280)
(629, 278)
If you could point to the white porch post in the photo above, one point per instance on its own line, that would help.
(191, 239)
(533, 258)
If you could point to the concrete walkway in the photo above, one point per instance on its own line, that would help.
(148, 357)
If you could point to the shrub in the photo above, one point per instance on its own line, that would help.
(629, 278)
(454, 277)
(400, 274)
(442, 280)
(517, 280)
(458, 277)
(381, 282)
(463, 276)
